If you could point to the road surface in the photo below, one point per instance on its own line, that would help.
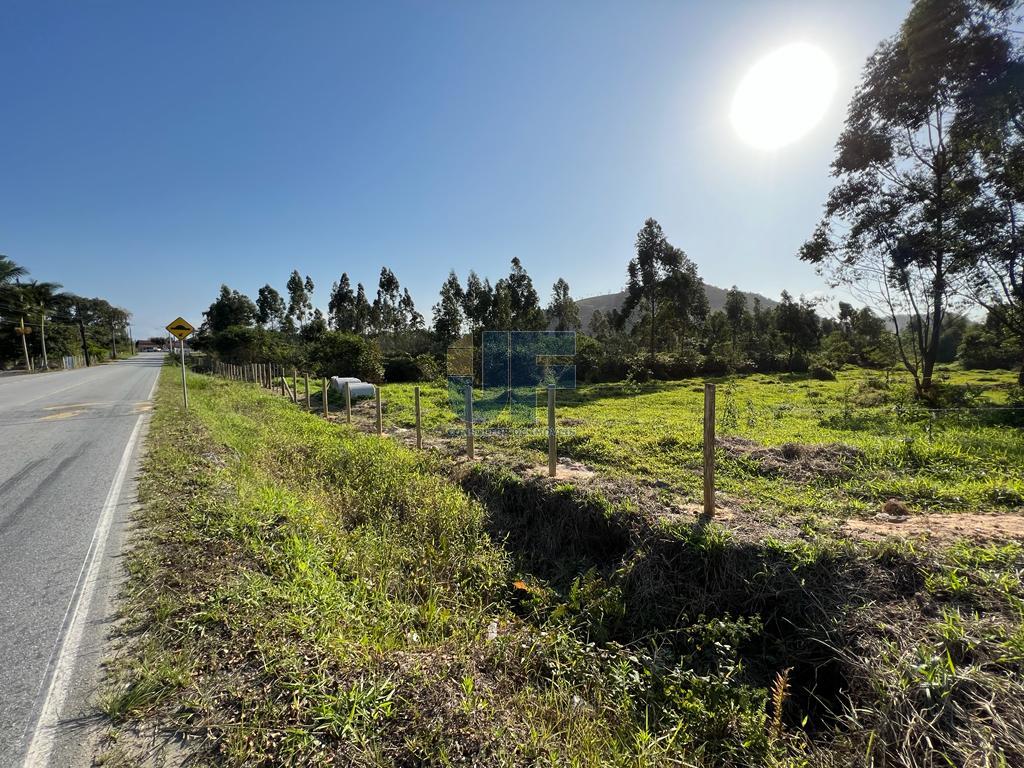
(70, 446)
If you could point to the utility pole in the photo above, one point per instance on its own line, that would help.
(113, 341)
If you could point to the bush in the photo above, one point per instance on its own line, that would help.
(428, 367)
(821, 372)
(346, 354)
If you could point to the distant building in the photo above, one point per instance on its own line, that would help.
(147, 346)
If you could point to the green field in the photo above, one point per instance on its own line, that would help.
(308, 594)
(967, 457)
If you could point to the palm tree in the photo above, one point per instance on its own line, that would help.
(43, 298)
(10, 293)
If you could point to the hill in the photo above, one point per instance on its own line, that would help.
(609, 301)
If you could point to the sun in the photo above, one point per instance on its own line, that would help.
(783, 96)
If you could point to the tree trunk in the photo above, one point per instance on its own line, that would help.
(24, 347)
(42, 339)
(1020, 376)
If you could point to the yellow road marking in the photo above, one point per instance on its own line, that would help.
(61, 415)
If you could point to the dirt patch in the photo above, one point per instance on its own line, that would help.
(942, 528)
(795, 461)
(567, 471)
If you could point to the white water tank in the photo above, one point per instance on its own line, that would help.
(356, 387)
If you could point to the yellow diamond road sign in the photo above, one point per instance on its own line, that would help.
(180, 328)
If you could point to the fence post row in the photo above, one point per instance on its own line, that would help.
(552, 445)
(709, 450)
(380, 420)
(469, 421)
(419, 430)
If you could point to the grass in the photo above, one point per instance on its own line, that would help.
(968, 458)
(305, 594)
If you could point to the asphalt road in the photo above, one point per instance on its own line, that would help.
(69, 448)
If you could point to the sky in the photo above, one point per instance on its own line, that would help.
(150, 152)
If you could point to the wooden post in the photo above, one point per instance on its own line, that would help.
(348, 403)
(380, 420)
(305, 376)
(469, 421)
(419, 430)
(284, 381)
(295, 386)
(323, 396)
(709, 450)
(552, 444)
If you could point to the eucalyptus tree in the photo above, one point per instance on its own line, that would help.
(663, 288)
(448, 312)
(562, 309)
(270, 307)
(893, 228)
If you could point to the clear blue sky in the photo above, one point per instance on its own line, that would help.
(151, 151)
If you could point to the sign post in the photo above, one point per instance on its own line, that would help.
(182, 329)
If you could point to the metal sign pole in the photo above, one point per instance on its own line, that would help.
(184, 386)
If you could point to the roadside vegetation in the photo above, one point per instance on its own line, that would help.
(40, 323)
(302, 593)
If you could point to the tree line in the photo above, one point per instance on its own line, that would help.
(42, 323)
(924, 224)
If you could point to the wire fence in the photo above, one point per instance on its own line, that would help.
(798, 432)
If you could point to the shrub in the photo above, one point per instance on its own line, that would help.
(346, 354)
(821, 372)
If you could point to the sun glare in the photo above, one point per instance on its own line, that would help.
(783, 96)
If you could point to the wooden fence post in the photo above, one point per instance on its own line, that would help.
(419, 430)
(469, 422)
(284, 381)
(709, 450)
(552, 444)
(348, 403)
(323, 396)
(380, 420)
(295, 386)
(305, 376)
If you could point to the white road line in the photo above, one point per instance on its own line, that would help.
(41, 745)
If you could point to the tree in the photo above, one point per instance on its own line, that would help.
(42, 298)
(562, 310)
(797, 323)
(386, 306)
(991, 125)
(599, 327)
(525, 313)
(363, 312)
(228, 309)
(499, 316)
(411, 319)
(448, 312)
(270, 307)
(735, 313)
(315, 328)
(892, 226)
(476, 301)
(299, 303)
(9, 275)
(663, 284)
(341, 307)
